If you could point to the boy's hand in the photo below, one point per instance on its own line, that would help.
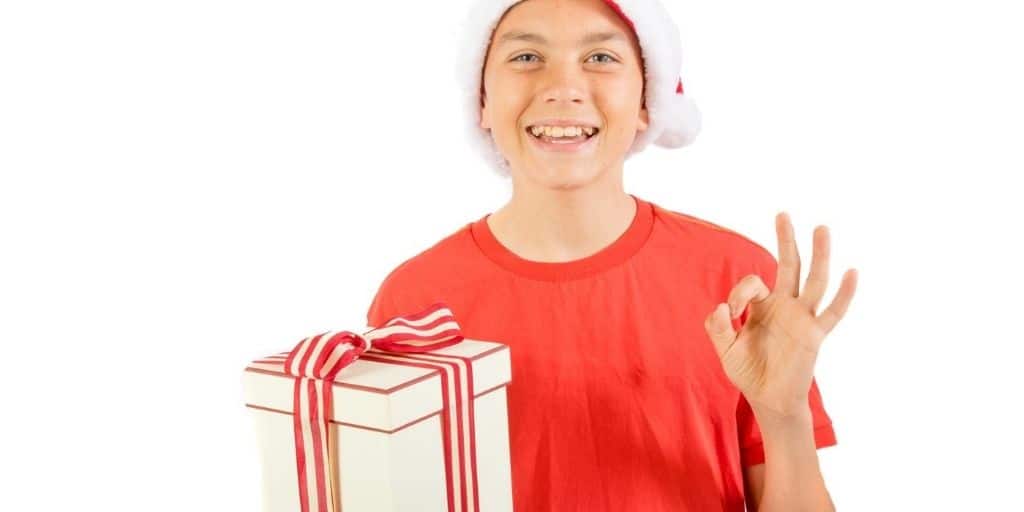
(771, 359)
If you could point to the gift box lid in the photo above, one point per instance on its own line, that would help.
(375, 394)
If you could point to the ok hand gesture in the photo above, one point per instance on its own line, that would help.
(771, 359)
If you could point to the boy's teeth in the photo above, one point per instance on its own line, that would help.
(561, 131)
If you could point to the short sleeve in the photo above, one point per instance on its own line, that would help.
(751, 444)
(384, 305)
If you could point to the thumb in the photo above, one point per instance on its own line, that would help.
(718, 325)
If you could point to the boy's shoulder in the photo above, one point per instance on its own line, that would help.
(712, 236)
(432, 270)
(436, 259)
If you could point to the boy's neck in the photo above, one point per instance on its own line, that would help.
(550, 225)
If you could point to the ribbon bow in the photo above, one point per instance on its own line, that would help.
(315, 362)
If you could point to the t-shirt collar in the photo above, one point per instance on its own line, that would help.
(625, 246)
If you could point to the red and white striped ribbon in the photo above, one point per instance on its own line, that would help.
(403, 340)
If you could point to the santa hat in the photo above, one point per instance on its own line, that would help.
(674, 120)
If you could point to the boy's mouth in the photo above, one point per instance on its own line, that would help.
(562, 134)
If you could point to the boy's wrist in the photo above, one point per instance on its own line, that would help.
(770, 420)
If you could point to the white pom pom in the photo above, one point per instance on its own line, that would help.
(682, 123)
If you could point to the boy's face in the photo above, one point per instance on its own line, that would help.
(552, 71)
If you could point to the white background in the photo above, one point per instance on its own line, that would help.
(188, 185)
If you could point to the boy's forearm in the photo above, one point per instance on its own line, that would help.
(792, 478)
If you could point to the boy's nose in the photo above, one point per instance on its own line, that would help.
(564, 84)
(563, 94)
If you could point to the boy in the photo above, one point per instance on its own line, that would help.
(630, 390)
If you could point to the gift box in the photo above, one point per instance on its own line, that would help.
(416, 420)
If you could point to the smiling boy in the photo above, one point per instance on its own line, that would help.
(631, 390)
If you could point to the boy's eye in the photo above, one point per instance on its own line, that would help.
(611, 59)
(518, 58)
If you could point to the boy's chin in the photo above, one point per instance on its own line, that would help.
(563, 173)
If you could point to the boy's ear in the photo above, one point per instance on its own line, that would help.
(483, 114)
(644, 120)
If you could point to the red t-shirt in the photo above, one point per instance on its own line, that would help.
(618, 400)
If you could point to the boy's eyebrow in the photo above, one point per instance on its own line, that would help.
(591, 38)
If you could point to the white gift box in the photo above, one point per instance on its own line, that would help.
(391, 431)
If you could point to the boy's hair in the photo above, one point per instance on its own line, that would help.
(674, 120)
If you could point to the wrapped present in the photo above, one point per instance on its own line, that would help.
(408, 416)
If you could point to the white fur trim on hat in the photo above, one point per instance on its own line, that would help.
(674, 120)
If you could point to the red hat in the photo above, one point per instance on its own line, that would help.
(674, 120)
